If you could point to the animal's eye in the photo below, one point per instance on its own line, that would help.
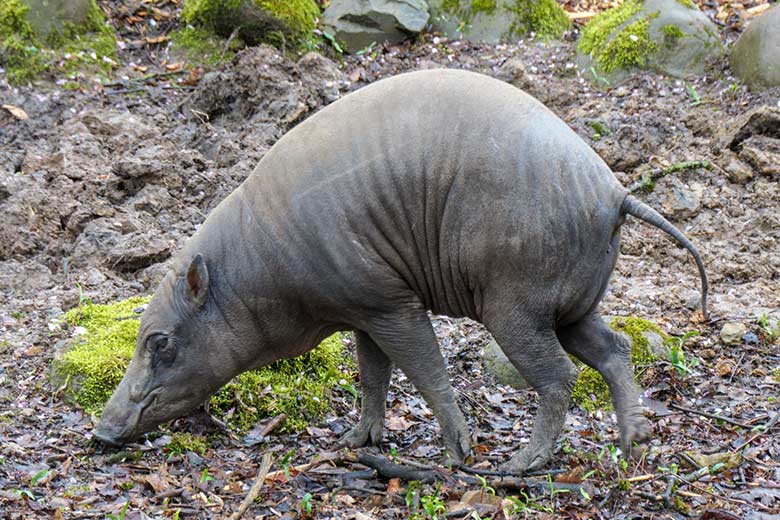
(162, 348)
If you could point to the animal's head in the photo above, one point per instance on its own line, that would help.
(190, 343)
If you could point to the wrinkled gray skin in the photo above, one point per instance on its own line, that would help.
(438, 190)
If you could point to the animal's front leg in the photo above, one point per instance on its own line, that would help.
(408, 339)
(375, 371)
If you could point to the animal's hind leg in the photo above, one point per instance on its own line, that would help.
(598, 346)
(408, 340)
(539, 358)
(375, 372)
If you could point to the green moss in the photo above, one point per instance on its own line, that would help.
(93, 367)
(544, 17)
(597, 31)
(631, 47)
(672, 34)
(687, 3)
(20, 52)
(90, 46)
(591, 391)
(299, 18)
(298, 388)
(776, 374)
(182, 442)
(201, 46)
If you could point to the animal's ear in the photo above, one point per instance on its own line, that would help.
(197, 281)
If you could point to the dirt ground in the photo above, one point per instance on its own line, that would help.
(99, 187)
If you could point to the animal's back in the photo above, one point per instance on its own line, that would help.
(444, 182)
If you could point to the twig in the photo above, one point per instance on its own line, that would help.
(143, 79)
(769, 425)
(494, 473)
(272, 424)
(265, 465)
(710, 415)
(648, 180)
(295, 470)
(228, 41)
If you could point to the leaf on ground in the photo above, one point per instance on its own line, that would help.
(17, 112)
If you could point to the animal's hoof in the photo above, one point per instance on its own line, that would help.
(526, 460)
(361, 435)
(634, 440)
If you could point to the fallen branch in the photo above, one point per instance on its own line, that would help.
(388, 469)
(250, 497)
(429, 474)
(710, 416)
(647, 182)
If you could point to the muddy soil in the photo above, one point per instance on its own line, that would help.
(99, 189)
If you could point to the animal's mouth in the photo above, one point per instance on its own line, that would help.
(116, 429)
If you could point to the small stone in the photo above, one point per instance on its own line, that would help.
(738, 172)
(732, 332)
(724, 367)
(750, 338)
(707, 353)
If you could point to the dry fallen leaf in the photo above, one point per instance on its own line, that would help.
(17, 112)
(394, 486)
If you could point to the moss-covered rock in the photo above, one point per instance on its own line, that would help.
(90, 367)
(496, 20)
(669, 36)
(68, 41)
(278, 22)
(591, 391)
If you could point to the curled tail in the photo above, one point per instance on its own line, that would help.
(640, 210)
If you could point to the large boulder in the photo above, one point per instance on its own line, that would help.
(255, 21)
(50, 16)
(493, 21)
(755, 58)
(359, 23)
(669, 36)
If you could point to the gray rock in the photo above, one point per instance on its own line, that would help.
(738, 172)
(763, 153)
(498, 364)
(732, 332)
(359, 23)
(755, 58)
(47, 16)
(683, 40)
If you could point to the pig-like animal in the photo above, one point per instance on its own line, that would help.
(441, 190)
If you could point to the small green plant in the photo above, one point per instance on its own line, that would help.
(433, 505)
(332, 40)
(39, 476)
(204, 476)
(306, 504)
(770, 333)
(676, 353)
(485, 488)
(26, 494)
(285, 462)
(526, 504)
(122, 514)
(694, 95)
